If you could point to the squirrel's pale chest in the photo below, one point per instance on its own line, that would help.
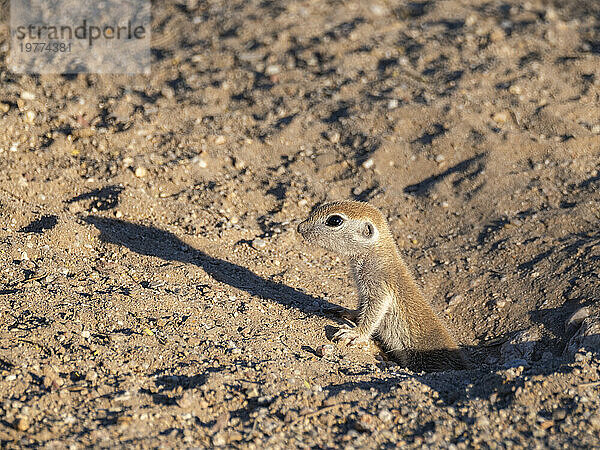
(368, 283)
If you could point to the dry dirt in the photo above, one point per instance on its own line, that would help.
(153, 290)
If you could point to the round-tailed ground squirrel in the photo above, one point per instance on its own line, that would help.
(391, 307)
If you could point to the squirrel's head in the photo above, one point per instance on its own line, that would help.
(347, 228)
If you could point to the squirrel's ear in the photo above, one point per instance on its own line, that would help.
(368, 230)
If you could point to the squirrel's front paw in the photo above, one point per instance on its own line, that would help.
(350, 336)
(342, 312)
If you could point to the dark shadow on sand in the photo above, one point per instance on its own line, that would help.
(423, 187)
(151, 241)
(451, 386)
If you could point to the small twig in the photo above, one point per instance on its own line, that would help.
(315, 413)
(281, 340)
(28, 280)
(590, 384)
(311, 414)
(515, 118)
(16, 284)
(494, 341)
(43, 347)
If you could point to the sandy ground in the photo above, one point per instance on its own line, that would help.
(154, 292)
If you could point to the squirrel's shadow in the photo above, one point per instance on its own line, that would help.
(451, 386)
(151, 241)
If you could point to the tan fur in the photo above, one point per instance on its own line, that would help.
(391, 307)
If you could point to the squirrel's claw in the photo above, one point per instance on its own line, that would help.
(350, 337)
(342, 312)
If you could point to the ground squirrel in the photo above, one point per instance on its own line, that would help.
(391, 307)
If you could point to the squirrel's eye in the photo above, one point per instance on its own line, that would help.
(334, 221)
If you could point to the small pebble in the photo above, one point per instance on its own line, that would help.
(141, 172)
(364, 423)
(312, 61)
(514, 89)
(559, 414)
(264, 399)
(202, 163)
(26, 95)
(4, 107)
(595, 422)
(30, 116)
(440, 158)
(368, 163)
(551, 14)
(596, 129)
(220, 140)
(471, 20)
(385, 415)
(252, 392)
(324, 350)
(378, 10)
(500, 117)
(392, 104)
(302, 202)
(91, 376)
(22, 424)
(118, 214)
(333, 137)
(497, 35)
(483, 422)
(219, 439)
(272, 70)
(168, 92)
(51, 378)
(456, 299)
(575, 320)
(259, 243)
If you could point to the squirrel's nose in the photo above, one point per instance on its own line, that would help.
(302, 226)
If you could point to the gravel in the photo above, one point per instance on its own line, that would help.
(179, 308)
